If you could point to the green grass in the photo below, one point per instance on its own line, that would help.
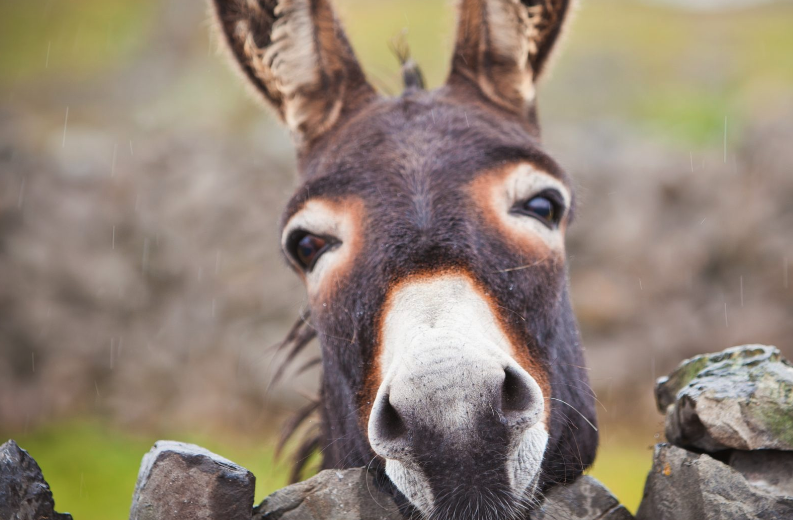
(674, 72)
(92, 468)
(622, 465)
(42, 39)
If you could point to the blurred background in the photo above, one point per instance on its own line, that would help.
(141, 283)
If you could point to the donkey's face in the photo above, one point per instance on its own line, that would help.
(429, 231)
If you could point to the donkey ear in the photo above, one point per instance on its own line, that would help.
(296, 55)
(503, 45)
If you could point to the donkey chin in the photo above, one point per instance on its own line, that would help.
(460, 423)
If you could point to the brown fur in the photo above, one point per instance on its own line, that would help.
(418, 170)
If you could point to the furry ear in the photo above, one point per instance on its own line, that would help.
(296, 54)
(503, 45)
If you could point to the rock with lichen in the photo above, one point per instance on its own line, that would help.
(737, 407)
(741, 398)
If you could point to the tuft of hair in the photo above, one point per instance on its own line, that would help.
(412, 77)
(296, 340)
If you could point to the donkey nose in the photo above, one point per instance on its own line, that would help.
(520, 403)
(388, 433)
(507, 398)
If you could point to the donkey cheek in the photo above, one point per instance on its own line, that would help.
(324, 290)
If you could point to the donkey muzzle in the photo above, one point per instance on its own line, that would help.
(482, 392)
(456, 417)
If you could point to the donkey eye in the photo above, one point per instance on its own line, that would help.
(546, 207)
(306, 248)
(541, 207)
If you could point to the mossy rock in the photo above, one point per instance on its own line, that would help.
(741, 398)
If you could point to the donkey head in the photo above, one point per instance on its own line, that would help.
(429, 231)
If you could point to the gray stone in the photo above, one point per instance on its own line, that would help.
(771, 471)
(688, 486)
(584, 499)
(353, 495)
(349, 494)
(24, 495)
(740, 398)
(184, 481)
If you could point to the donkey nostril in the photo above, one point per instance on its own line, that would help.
(389, 424)
(516, 395)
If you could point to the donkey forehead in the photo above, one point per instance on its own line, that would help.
(418, 143)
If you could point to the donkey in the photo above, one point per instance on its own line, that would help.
(429, 231)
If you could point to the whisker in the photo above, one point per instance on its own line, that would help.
(527, 266)
(367, 485)
(579, 413)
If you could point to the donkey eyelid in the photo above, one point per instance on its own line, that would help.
(296, 235)
(321, 253)
(550, 225)
(551, 194)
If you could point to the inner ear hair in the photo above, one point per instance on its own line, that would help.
(504, 45)
(296, 55)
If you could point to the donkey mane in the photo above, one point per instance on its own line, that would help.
(299, 336)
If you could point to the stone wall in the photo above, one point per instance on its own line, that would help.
(729, 422)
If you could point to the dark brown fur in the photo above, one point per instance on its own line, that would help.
(414, 162)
